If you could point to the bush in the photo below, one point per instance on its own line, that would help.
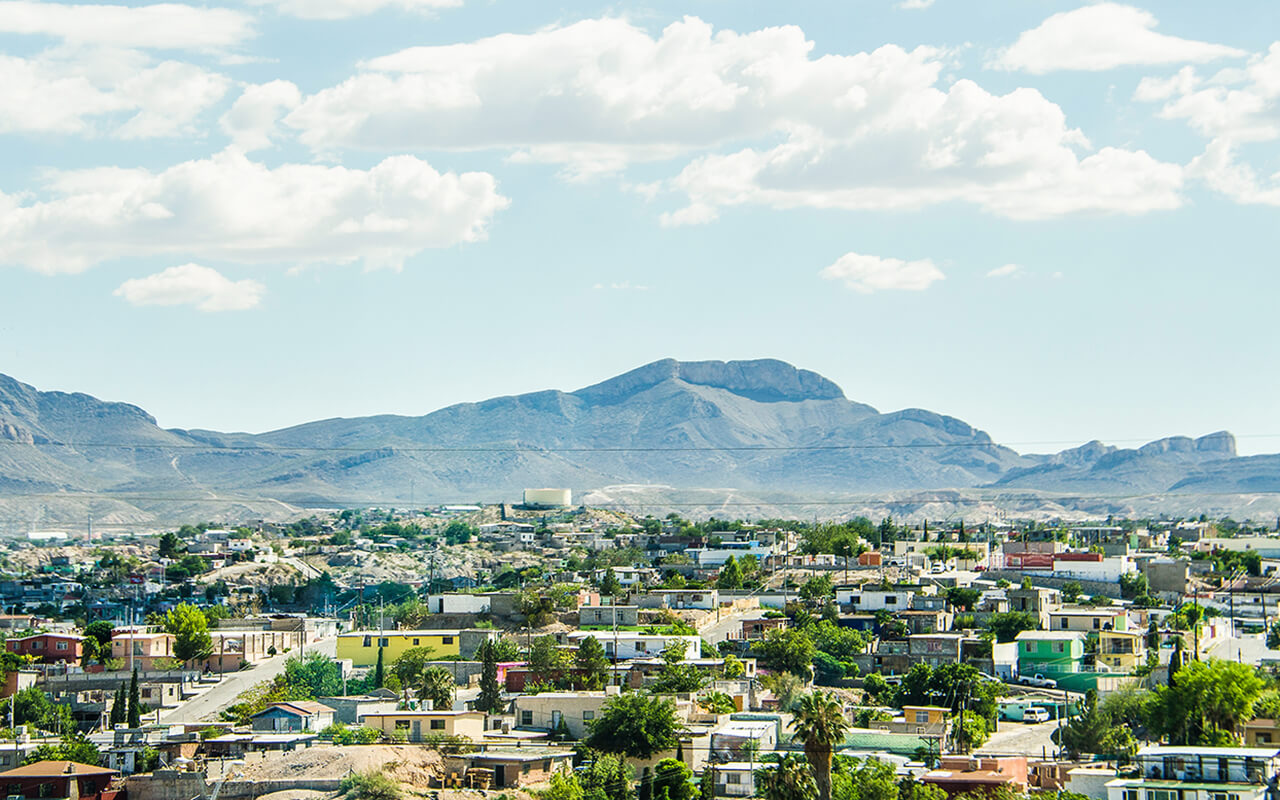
(370, 785)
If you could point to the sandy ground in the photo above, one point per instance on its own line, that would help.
(412, 766)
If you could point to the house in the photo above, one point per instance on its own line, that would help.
(1048, 652)
(702, 599)
(294, 716)
(591, 616)
(753, 629)
(351, 709)
(933, 721)
(736, 778)
(962, 775)
(1035, 601)
(737, 738)
(935, 649)
(628, 644)
(545, 711)
(1122, 650)
(361, 647)
(418, 726)
(1199, 773)
(513, 768)
(48, 648)
(459, 603)
(61, 779)
(237, 745)
(1261, 733)
(139, 648)
(1089, 619)
(875, 598)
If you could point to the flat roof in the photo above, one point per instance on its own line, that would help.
(1050, 635)
(442, 632)
(441, 713)
(1241, 752)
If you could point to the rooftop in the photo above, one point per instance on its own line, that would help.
(42, 769)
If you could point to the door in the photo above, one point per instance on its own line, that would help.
(417, 731)
(555, 720)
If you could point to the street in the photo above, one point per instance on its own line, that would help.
(1020, 738)
(206, 705)
(730, 624)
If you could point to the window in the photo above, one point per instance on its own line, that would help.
(855, 599)
(1130, 794)
(1064, 623)
(922, 716)
(37, 645)
(526, 717)
(437, 724)
(1162, 794)
(1059, 647)
(1097, 623)
(588, 715)
(402, 724)
(382, 642)
(1264, 738)
(446, 640)
(368, 641)
(891, 600)
(733, 778)
(1223, 796)
(415, 642)
(61, 645)
(639, 645)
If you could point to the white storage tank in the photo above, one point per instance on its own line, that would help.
(547, 498)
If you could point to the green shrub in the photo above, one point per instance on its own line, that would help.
(370, 785)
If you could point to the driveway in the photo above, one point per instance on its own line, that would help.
(207, 704)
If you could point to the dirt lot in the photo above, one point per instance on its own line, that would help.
(413, 766)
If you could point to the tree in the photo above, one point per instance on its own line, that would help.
(911, 789)
(963, 598)
(1071, 591)
(190, 628)
(607, 777)
(564, 786)
(379, 673)
(609, 584)
(371, 785)
(730, 576)
(789, 650)
(672, 780)
(73, 747)
(790, 779)
(592, 663)
(490, 698)
(1007, 625)
(871, 779)
(1206, 703)
(717, 702)
(135, 702)
(546, 660)
(120, 705)
(1094, 731)
(409, 667)
(635, 725)
(32, 706)
(313, 675)
(171, 546)
(438, 686)
(458, 532)
(820, 724)
(1134, 584)
(972, 730)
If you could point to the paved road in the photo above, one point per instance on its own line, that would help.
(1020, 738)
(206, 705)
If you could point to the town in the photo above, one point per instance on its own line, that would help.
(542, 649)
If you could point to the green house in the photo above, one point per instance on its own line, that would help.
(1050, 653)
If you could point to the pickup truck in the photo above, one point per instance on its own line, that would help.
(1038, 680)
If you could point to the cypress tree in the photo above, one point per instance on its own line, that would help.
(120, 705)
(490, 698)
(377, 671)
(135, 703)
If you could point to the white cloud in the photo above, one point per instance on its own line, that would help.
(160, 26)
(1242, 105)
(1100, 37)
(343, 9)
(1007, 271)
(868, 130)
(252, 121)
(191, 284)
(624, 286)
(915, 3)
(231, 209)
(866, 274)
(1219, 168)
(116, 93)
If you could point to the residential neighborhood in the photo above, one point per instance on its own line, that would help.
(601, 648)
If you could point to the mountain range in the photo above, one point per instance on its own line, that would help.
(762, 427)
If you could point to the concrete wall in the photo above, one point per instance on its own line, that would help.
(1087, 588)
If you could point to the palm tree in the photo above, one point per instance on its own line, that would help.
(438, 686)
(790, 779)
(820, 723)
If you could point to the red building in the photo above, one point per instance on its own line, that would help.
(61, 779)
(48, 647)
(966, 775)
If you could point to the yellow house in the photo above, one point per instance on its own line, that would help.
(361, 647)
(1122, 650)
(417, 726)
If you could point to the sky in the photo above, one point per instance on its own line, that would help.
(1056, 221)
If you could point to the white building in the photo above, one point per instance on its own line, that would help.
(458, 603)
(638, 645)
(1199, 773)
(874, 597)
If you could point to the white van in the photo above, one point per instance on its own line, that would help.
(1035, 714)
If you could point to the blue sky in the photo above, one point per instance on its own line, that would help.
(1053, 220)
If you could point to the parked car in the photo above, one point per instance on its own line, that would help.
(1038, 680)
(1035, 715)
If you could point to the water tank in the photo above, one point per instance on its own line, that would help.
(548, 498)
